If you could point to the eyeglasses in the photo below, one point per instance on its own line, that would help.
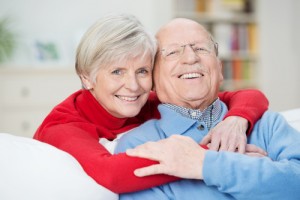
(175, 51)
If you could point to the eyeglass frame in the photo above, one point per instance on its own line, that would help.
(215, 48)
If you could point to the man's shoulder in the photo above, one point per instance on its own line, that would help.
(270, 123)
(145, 129)
(139, 135)
(271, 117)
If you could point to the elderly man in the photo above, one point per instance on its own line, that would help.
(187, 78)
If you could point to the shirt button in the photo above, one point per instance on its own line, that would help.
(194, 114)
(201, 127)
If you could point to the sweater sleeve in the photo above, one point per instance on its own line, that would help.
(249, 104)
(274, 177)
(114, 172)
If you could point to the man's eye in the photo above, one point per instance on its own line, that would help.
(117, 72)
(201, 49)
(172, 53)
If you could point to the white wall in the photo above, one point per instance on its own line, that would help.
(280, 52)
(64, 21)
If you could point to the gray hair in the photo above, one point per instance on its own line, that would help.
(114, 38)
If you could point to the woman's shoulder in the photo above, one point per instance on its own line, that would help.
(153, 97)
(149, 110)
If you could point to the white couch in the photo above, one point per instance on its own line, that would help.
(32, 170)
(293, 117)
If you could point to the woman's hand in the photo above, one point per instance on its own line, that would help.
(228, 135)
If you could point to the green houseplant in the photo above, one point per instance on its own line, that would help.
(7, 40)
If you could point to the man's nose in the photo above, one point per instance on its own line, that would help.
(189, 56)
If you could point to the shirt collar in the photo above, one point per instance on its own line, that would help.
(209, 116)
(172, 122)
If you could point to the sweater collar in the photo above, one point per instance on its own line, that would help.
(90, 108)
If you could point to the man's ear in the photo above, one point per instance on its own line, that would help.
(86, 83)
(220, 63)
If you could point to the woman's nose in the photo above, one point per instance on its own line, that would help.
(132, 83)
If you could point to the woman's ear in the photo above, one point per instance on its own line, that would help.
(86, 83)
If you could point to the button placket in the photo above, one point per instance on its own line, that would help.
(201, 127)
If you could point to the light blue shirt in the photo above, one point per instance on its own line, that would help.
(227, 175)
(209, 116)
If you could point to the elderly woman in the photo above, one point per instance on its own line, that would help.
(114, 62)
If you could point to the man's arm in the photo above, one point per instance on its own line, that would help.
(276, 177)
(177, 155)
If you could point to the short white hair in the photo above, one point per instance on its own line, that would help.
(114, 38)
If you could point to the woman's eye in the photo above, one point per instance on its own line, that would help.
(117, 72)
(143, 71)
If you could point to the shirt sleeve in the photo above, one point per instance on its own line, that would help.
(249, 104)
(274, 177)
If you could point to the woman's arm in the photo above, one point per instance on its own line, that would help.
(114, 172)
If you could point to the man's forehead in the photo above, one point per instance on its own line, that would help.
(183, 41)
(182, 35)
(181, 24)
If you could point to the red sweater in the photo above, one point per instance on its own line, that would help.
(76, 124)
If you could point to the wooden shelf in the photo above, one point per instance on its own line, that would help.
(236, 33)
(210, 18)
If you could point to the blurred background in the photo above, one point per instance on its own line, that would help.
(258, 39)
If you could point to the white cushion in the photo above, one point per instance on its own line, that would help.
(33, 170)
(293, 117)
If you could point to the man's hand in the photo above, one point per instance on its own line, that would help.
(177, 155)
(228, 135)
(255, 151)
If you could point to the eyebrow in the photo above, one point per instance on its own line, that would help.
(193, 42)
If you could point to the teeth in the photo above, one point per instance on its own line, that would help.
(127, 98)
(190, 75)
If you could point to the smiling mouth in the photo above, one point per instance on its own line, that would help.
(126, 98)
(190, 75)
